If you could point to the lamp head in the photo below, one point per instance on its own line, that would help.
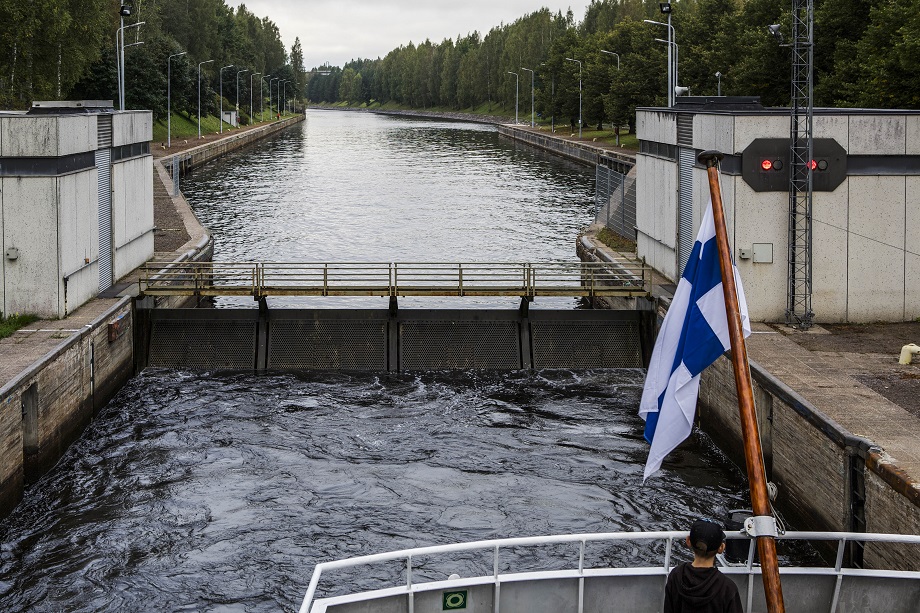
(681, 91)
(775, 33)
(125, 10)
(718, 75)
(665, 7)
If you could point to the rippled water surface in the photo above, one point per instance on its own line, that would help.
(359, 187)
(220, 492)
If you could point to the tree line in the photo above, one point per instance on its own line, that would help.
(863, 57)
(66, 49)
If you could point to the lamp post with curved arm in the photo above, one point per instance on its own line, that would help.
(531, 94)
(222, 96)
(270, 93)
(568, 59)
(238, 95)
(251, 110)
(169, 97)
(672, 59)
(516, 81)
(200, 64)
(262, 97)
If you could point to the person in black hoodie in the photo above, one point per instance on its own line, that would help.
(698, 586)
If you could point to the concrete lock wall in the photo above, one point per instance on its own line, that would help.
(865, 232)
(827, 478)
(47, 406)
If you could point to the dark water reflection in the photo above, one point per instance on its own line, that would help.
(220, 492)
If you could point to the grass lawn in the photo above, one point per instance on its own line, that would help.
(10, 324)
(186, 128)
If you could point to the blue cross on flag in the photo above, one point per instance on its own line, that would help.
(693, 335)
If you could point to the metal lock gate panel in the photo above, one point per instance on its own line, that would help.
(207, 344)
(456, 343)
(327, 344)
(566, 344)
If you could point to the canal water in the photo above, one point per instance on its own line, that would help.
(198, 491)
(360, 187)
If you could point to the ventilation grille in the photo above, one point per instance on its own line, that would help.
(211, 345)
(586, 345)
(685, 236)
(104, 131)
(327, 345)
(685, 129)
(459, 344)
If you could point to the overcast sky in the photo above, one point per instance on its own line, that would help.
(337, 31)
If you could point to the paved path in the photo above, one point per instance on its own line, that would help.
(831, 381)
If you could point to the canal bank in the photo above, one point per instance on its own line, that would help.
(56, 374)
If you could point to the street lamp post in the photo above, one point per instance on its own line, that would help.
(262, 97)
(612, 53)
(516, 80)
(251, 110)
(672, 60)
(617, 129)
(199, 94)
(284, 97)
(568, 59)
(531, 95)
(270, 93)
(675, 89)
(120, 53)
(169, 97)
(719, 84)
(238, 96)
(222, 96)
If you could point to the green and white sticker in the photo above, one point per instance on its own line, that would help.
(454, 600)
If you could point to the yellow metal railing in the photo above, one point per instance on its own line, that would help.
(262, 279)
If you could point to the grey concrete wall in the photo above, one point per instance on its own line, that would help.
(68, 385)
(584, 153)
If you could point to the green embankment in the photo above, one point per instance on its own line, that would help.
(185, 128)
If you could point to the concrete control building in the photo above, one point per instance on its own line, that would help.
(76, 197)
(866, 210)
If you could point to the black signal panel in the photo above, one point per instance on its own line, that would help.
(765, 165)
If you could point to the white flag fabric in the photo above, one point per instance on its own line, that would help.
(693, 335)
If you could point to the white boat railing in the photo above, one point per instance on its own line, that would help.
(666, 537)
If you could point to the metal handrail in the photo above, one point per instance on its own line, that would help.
(261, 279)
(667, 537)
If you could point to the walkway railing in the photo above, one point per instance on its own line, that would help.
(588, 279)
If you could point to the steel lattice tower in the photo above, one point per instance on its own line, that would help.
(798, 309)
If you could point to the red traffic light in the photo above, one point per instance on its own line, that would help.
(812, 165)
(766, 165)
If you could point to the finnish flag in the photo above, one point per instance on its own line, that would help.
(693, 335)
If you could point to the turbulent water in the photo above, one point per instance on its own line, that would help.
(219, 492)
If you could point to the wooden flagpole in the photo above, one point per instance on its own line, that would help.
(760, 501)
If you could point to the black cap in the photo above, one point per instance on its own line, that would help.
(707, 533)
